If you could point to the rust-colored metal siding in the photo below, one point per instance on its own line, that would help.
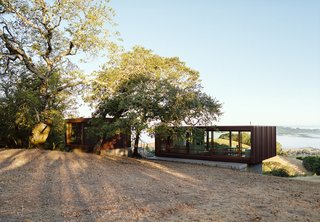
(263, 144)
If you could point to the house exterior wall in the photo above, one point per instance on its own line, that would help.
(262, 144)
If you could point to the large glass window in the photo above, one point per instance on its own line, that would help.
(179, 143)
(221, 143)
(245, 143)
(198, 141)
(208, 140)
(76, 133)
(235, 149)
(232, 143)
(205, 142)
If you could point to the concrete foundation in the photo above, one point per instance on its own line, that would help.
(228, 165)
(256, 168)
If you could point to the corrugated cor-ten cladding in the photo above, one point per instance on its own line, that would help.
(263, 144)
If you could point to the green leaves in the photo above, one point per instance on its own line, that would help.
(146, 90)
(37, 37)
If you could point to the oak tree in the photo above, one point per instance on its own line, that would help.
(144, 90)
(37, 39)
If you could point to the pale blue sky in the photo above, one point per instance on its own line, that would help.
(261, 59)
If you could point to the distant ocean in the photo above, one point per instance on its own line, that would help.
(300, 141)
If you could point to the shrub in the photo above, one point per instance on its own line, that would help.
(279, 150)
(280, 172)
(278, 169)
(312, 163)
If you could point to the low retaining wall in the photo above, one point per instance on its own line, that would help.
(228, 165)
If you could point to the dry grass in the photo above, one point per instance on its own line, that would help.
(54, 186)
(293, 166)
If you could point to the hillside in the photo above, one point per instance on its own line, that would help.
(281, 130)
(292, 165)
(302, 152)
(42, 185)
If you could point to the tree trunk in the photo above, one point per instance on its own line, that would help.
(136, 145)
(40, 133)
(41, 130)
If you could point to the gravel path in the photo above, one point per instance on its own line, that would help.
(37, 185)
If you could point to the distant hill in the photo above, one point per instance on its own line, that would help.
(303, 152)
(307, 133)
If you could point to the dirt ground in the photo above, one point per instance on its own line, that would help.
(37, 185)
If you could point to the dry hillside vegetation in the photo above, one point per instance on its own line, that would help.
(48, 185)
(293, 166)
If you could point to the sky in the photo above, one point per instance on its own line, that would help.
(261, 59)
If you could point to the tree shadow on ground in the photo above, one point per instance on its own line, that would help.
(86, 187)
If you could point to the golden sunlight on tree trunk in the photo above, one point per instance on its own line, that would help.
(40, 133)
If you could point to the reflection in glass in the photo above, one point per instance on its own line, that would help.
(76, 132)
(205, 142)
(179, 143)
(245, 139)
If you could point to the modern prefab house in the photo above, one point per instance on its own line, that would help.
(243, 144)
(78, 136)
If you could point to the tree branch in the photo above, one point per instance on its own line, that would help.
(8, 63)
(44, 11)
(65, 53)
(56, 25)
(59, 89)
(11, 45)
(10, 8)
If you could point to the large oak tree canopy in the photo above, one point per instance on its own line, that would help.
(37, 37)
(144, 90)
